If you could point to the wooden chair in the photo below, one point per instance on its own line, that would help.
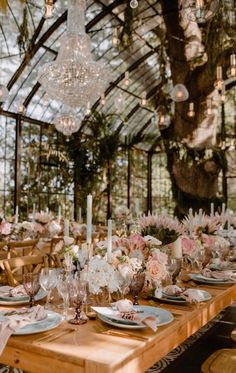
(223, 360)
(15, 267)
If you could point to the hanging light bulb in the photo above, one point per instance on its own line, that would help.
(126, 78)
(144, 99)
(163, 120)
(120, 103)
(133, 4)
(88, 109)
(102, 99)
(115, 39)
(4, 93)
(231, 72)
(222, 94)
(179, 93)
(45, 100)
(209, 110)
(191, 112)
(219, 81)
(49, 9)
(21, 108)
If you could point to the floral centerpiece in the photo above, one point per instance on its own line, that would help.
(5, 230)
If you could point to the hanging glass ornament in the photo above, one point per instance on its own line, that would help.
(179, 93)
(231, 72)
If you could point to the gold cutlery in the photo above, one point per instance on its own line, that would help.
(51, 337)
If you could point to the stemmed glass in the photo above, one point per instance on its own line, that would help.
(48, 281)
(136, 286)
(171, 268)
(63, 287)
(200, 259)
(31, 285)
(78, 296)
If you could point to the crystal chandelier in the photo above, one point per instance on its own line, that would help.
(68, 123)
(74, 78)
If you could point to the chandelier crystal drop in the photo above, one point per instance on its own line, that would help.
(74, 78)
(68, 123)
(179, 93)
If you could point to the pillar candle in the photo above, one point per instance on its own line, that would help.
(66, 228)
(34, 212)
(191, 222)
(212, 210)
(89, 218)
(17, 215)
(109, 240)
(59, 214)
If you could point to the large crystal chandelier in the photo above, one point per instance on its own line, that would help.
(74, 78)
(67, 122)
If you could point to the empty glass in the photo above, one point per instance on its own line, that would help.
(171, 268)
(31, 285)
(63, 287)
(136, 286)
(48, 281)
(78, 296)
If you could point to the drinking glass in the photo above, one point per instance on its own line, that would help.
(78, 296)
(48, 281)
(31, 285)
(171, 268)
(63, 287)
(136, 286)
(200, 259)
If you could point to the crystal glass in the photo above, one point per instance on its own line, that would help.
(171, 267)
(31, 285)
(63, 287)
(136, 286)
(200, 259)
(48, 281)
(78, 296)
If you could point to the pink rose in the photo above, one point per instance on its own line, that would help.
(187, 245)
(155, 270)
(5, 228)
(207, 241)
(136, 242)
(161, 257)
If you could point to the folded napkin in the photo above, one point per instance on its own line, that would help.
(173, 290)
(18, 291)
(221, 275)
(17, 319)
(193, 295)
(127, 312)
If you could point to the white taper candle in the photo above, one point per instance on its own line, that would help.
(89, 218)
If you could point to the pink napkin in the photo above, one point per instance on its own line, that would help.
(17, 291)
(221, 275)
(126, 311)
(193, 295)
(17, 319)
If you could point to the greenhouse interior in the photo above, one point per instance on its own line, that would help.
(118, 186)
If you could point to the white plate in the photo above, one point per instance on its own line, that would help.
(105, 314)
(206, 280)
(179, 300)
(52, 321)
(13, 301)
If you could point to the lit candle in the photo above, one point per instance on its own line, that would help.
(190, 222)
(17, 215)
(212, 210)
(59, 214)
(109, 240)
(66, 228)
(89, 218)
(33, 212)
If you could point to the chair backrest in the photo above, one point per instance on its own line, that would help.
(15, 267)
(22, 248)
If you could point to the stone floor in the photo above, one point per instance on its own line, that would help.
(189, 356)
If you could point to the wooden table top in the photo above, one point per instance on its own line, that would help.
(87, 350)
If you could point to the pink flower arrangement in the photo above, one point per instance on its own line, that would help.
(5, 228)
(156, 267)
(188, 245)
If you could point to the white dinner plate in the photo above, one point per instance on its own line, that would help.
(180, 300)
(52, 320)
(13, 301)
(206, 280)
(106, 315)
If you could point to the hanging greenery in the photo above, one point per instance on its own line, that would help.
(126, 35)
(23, 38)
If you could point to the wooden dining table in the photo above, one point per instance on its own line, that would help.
(95, 348)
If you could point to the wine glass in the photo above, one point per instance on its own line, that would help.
(78, 296)
(63, 287)
(136, 286)
(48, 281)
(171, 268)
(200, 259)
(31, 285)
